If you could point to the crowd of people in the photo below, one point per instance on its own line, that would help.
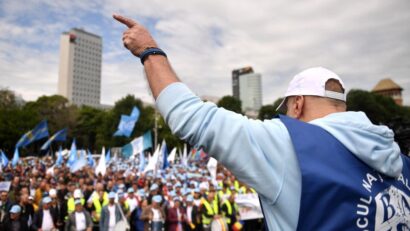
(176, 198)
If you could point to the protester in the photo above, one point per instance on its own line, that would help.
(210, 210)
(317, 151)
(154, 215)
(193, 216)
(137, 224)
(27, 209)
(13, 221)
(45, 219)
(80, 219)
(229, 210)
(110, 214)
(176, 216)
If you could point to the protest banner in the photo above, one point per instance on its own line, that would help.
(248, 206)
(5, 186)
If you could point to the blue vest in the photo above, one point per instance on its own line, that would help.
(339, 191)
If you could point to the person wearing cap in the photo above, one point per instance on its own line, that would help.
(175, 216)
(132, 200)
(80, 219)
(110, 214)
(192, 216)
(153, 191)
(13, 221)
(123, 203)
(318, 150)
(45, 219)
(70, 202)
(154, 215)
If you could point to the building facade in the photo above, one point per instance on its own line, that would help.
(388, 87)
(80, 67)
(247, 87)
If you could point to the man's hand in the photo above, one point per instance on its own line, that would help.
(136, 38)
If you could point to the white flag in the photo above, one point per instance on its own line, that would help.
(152, 164)
(171, 157)
(101, 167)
(184, 160)
(212, 164)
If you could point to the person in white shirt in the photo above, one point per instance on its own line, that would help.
(132, 199)
(45, 219)
(80, 220)
(110, 214)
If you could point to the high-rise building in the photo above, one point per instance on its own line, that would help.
(80, 67)
(247, 86)
(235, 79)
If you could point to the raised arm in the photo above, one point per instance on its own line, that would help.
(231, 138)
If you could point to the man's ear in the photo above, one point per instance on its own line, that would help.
(298, 106)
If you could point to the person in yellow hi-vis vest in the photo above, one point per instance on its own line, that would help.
(209, 210)
(71, 202)
(229, 210)
(99, 200)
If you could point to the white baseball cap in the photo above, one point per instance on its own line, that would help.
(312, 82)
(78, 193)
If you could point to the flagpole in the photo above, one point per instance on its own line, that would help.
(156, 129)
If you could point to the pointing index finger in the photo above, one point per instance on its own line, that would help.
(126, 21)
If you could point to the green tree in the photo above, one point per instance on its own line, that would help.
(266, 112)
(230, 103)
(269, 111)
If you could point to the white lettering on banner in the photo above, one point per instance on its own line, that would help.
(392, 206)
(249, 206)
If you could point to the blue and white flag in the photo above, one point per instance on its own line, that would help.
(141, 167)
(127, 123)
(78, 164)
(16, 158)
(59, 160)
(108, 157)
(138, 145)
(39, 132)
(164, 155)
(91, 161)
(73, 154)
(135, 113)
(4, 160)
(58, 136)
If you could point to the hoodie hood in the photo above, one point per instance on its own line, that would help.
(373, 144)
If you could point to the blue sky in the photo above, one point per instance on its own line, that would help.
(362, 41)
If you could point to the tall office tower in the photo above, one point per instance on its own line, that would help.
(80, 67)
(235, 79)
(247, 86)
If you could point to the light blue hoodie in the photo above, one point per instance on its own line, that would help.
(260, 153)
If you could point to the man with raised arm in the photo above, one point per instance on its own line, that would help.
(318, 168)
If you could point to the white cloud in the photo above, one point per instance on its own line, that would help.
(363, 41)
